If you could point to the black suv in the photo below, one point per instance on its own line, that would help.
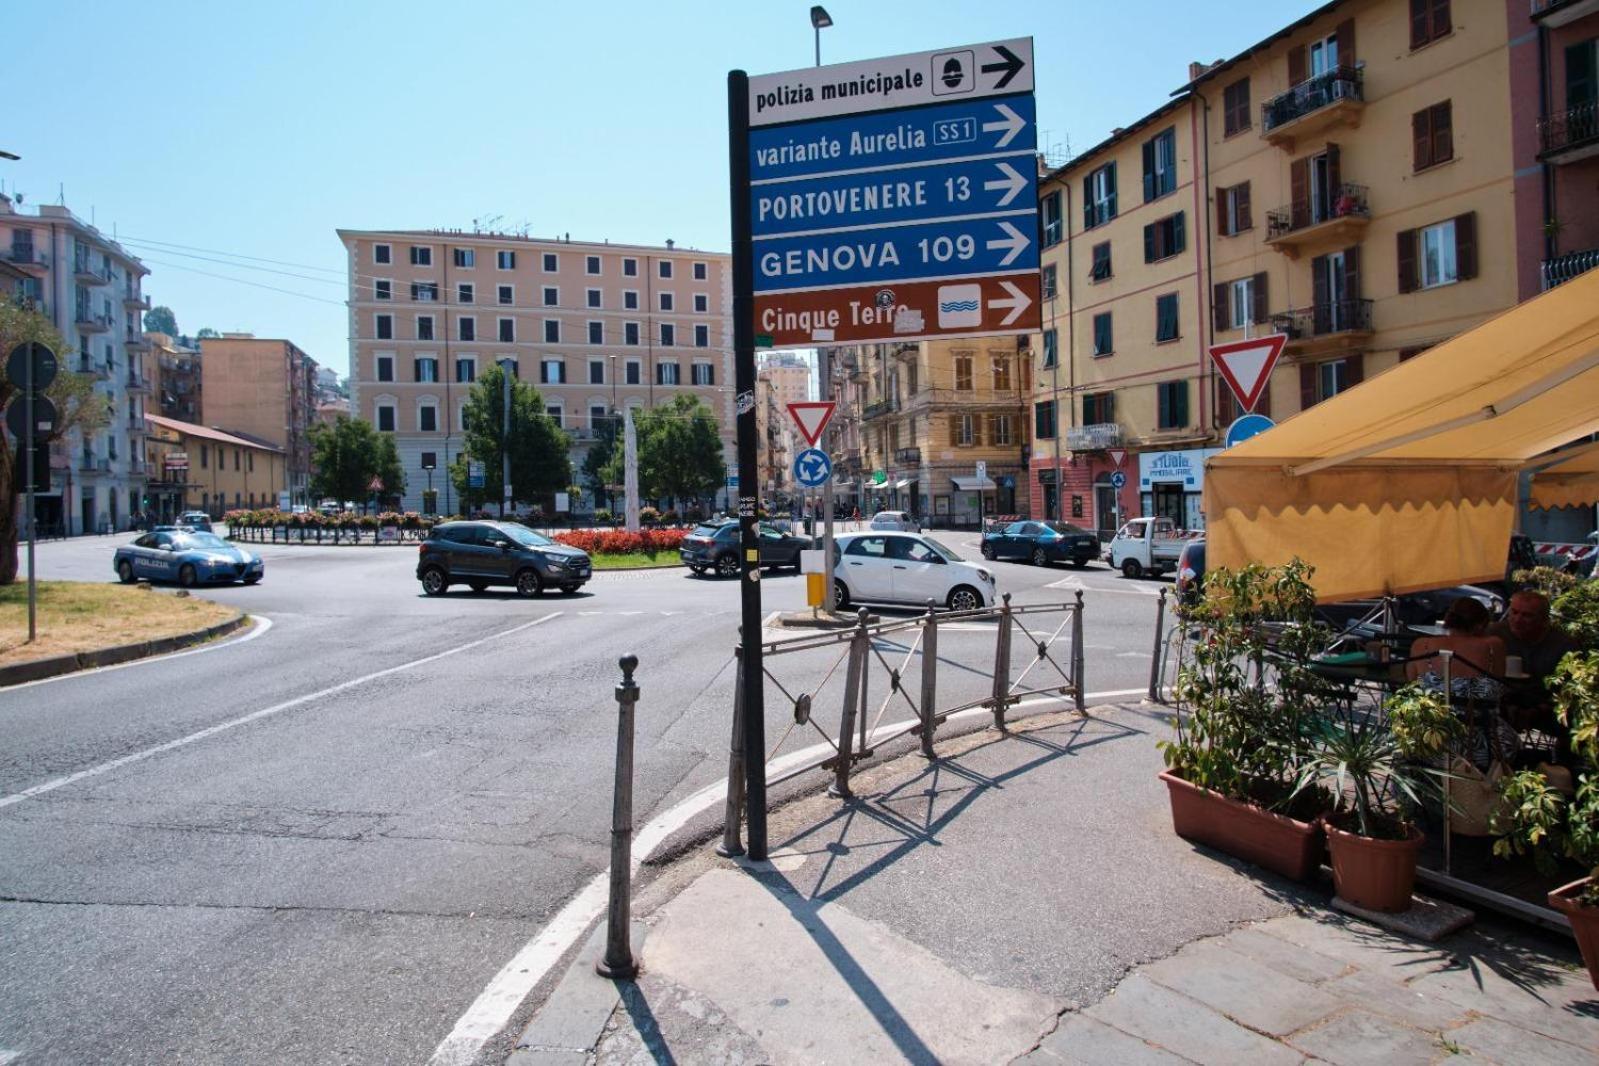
(480, 554)
(714, 546)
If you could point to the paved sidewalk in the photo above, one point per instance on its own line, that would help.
(1024, 899)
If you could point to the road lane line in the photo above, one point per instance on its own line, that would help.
(265, 712)
(499, 1000)
(259, 624)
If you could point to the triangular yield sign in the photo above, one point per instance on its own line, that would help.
(1118, 456)
(811, 418)
(1246, 365)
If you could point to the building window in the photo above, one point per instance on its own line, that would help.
(1232, 210)
(1099, 269)
(556, 414)
(465, 258)
(1048, 285)
(1164, 239)
(1051, 348)
(505, 259)
(1099, 408)
(1050, 206)
(630, 268)
(1432, 135)
(513, 365)
(421, 256)
(507, 294)
(592, 297)
(552, 331)
(466, 370)
(205, 457)
(1173, 403)
(1235, 107)
(1099, 196)
(1332, 377)
(1582, 85)
(385, 368)
(552, 296)
(702, 336)
(665, 268)
(551, 263)
(634, 374)
(1429, 20)
(630, 333)
(961, 431)
(1160, 164)
(597, 417)
(1439, 263)
(427, 418)
(552, 371)
(666, 373)
(1104, 340)
(704, 374)
(430, 460)
(701, 271)
(425, 291)
(702, 303)
(666, 301)
(467, 328)
(465, 293)
(596, 371)
(668, 335)
(1001, 373)
(507, 330)
(1166, 317)
(630, 300)
(382, 254)
(999, 430)
(963, 373)
(596, 332)
(1440, 254)
(385, 418)
(1236, 302)
(1044, 420)
(384, 327)
(424, 327)
(427, 368)
(591, 265)
(383, 289)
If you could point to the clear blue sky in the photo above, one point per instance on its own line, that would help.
(257, 129)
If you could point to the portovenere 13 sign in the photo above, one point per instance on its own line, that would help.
(896, 198)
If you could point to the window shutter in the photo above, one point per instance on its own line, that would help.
(1107, 407)
(954, 430)
(1420, 20)
(1407, 260)
(1149, 170)
(1181, 396)
(1263, 405)
(1355, 369)
(1352, 272)
(1296, 64)
(1299, 190)
(1346, 44)
(1335, 173)
(1149, 243)
(1088, 203)
(1443, 134)
(1179, 234)
(1241, 207)
(1421, 139)
(1307, 386)
(1320, 290)
(1221, 213)
(1110, 182)
(1218, 307)
(1258, 296)
(1225, 404)
(1466, 245)
(1440, 18)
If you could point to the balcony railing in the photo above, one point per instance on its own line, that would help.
(138, 382)
(1569, 130)
(84, 270)
(1563, 268)
(136, 301)
(91, 465)
(881, 407)
(1096, 436)
(28, 303)
(1326, 319)
(1312, 94)
(88, 320)
(26, 255)
(908, 456)
(1346, 201)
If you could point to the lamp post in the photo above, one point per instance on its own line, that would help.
(820, 20)
(505, 436)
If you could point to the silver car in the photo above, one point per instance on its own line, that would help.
(896, 521)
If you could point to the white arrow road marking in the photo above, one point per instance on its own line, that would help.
(1012, 183)
(1014, 239)
(1011, 123)
(1018, 302)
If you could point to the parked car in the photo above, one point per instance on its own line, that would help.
(1042, 543)
(1191, 572)
(187, 557)
(714, 546)
(197, 520)
(1146, 546)
(481, 554)
(891, 567)
(899, 521)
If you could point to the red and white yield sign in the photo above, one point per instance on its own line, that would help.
(811, 418)
(1246, 365)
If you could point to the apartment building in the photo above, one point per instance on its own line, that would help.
(91, 289)
(1352, 187)
(175, 378)
(198, 467)
(782, 378)
(595, 326)
(842, 374)
(263, 388)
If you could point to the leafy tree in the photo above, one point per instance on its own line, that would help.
(161, 320)
(78, 405)
(679, 452)
(607, 440)
(537, 446)
(345, 457)
(206, 331)
(389, 469)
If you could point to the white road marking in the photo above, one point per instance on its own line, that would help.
(259, 624)
(265, 712)
(1078, 583)
(494, 1007)
(7, 1057)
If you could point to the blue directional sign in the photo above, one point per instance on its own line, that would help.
(944, 249)
(1118, 479)
(812, 468)
(1005, 185)
(1250, 425)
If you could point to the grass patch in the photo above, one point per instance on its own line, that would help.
(635, 560)
(78, 616)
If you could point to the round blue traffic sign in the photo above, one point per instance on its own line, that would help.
(1118, 479)
(1247, 426)
(812, 468)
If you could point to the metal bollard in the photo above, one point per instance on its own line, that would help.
(859, 648)
(1155, 665)
(1077, 649)
(929, 677)
(732, 844)
(1001, 694)
(618, 961)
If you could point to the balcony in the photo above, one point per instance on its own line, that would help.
(138, 383)
(1335, 220)
(878, 409)
(1094, 437)
(89, 322)
(89, 464)
(89, 274)
(29, 259)
(1554, 13)
(28, 303)
(908, 456)
(1336, 98)
(1563, 268)
(1570, 135)
(1337, 326)
(134, 302)
(138, 467)
(136, 342)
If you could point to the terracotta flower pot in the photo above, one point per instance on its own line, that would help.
(1376, 874)
(1275, 842)
(1584, 923)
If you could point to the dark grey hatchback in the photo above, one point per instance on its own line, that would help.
(480, 554)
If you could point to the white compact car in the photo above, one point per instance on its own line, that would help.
(899, 521)
(890, 567)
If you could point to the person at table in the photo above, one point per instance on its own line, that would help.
(1530, 636)
(1477, 652)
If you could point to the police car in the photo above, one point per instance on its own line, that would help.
(187, 557)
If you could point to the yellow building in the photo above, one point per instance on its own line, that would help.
(1352, 188)
(198, 468)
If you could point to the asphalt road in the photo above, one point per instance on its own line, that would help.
(320, 843)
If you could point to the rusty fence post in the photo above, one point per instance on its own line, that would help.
(618, 961)
(732, 843)
(854, 676)
(1157, 664)
(929, 677)
(1077, 649)
(1001, 694)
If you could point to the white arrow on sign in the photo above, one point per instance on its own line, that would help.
(1012, 183)
(1015, 240)
(1010, 122)
(1018, 302)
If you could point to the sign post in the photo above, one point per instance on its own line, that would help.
(812, 418)
(33, 367)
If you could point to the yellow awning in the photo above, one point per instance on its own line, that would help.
(1408, 480)
(1572, 482)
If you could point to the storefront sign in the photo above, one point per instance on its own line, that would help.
(1185, 468)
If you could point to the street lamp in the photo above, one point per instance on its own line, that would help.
(505, 435)
(820, 20)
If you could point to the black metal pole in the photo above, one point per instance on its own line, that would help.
(754, 703)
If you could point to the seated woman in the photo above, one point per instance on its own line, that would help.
(1475, 670)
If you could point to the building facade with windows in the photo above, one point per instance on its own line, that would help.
(195, 467)
(175, 378)
(91, 289)
(265, 389)
(596, 327)
(782, 378)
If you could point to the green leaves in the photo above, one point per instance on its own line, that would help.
(536, 445)
(679, 451)
(1577, 612)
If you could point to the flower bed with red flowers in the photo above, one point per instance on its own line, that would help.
(617, 542)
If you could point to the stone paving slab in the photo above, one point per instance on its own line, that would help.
(1085, 1042)
(1506, 1043)
(1405, 1003)
(1185, 1027)
(1250, 992)
(1360, 1038)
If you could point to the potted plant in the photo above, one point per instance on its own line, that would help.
(1379, 773)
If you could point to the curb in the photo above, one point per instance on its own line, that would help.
(56, 665)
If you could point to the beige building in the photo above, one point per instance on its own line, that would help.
(266, 389)
(782, 378)
(197, 467)
(175, 378)
(594, 326)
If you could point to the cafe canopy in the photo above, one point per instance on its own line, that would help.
(1573, 481)
(1408, 481)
